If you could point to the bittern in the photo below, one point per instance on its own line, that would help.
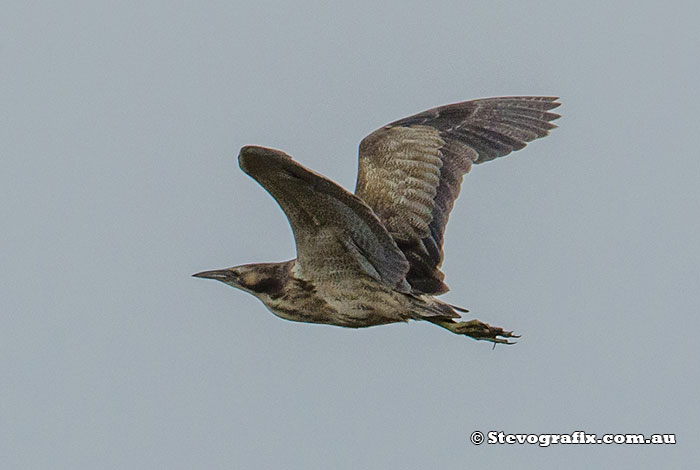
(374, 257)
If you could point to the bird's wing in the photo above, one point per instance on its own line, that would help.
(410, 171)
(336, 233)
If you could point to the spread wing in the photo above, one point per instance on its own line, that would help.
(336, 234)
(411, 170)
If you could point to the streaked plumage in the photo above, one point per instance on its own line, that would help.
(374, 257)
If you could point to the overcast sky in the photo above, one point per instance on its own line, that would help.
(120, 126)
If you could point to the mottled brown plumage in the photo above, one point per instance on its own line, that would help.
(374, 257)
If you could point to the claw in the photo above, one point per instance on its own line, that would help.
(480, 331)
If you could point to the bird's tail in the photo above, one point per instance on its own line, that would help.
(429, 308)
(459, 309)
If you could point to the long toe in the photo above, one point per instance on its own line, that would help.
(485, 332)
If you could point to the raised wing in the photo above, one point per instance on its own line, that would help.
(336, 234)
(411, 170)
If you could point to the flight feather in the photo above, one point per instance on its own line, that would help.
(410, 171)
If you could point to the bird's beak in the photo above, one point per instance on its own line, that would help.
(219, 275)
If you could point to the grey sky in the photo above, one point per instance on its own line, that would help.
(120, 127)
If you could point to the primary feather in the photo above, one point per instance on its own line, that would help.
(411, 170)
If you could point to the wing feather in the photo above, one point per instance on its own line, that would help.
(336, 233)
(410, 171)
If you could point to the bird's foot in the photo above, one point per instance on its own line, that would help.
(480, 331)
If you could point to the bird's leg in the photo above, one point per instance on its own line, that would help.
(477, 330)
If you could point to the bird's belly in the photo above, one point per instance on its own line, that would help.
(360, 308)
(349, 308)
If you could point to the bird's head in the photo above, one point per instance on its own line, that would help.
(256, 279)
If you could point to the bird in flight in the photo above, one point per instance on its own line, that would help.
(373, 257)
